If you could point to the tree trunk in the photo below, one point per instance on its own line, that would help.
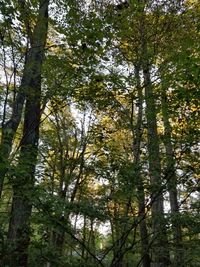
(118, 258)
(160, 243)
(171, 179)
(23, 182)
(31, 73)
(8, 132)
(160, 250)
(145, 258)
(117, 238)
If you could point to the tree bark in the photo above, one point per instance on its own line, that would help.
(8, 132)
(145, 257)
(170, 176)
(23, 182)
(160, 250)
(160, 243)
(31, 73)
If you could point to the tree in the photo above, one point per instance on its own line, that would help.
(32, 73)
(23, 180)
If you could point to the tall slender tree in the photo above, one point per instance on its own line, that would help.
(159, 241)
(34, 58)
(137, 136)
(23, 181)
(171, 179)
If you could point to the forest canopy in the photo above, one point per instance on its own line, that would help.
(99, 139)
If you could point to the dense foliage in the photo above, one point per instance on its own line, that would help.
(99, 152)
